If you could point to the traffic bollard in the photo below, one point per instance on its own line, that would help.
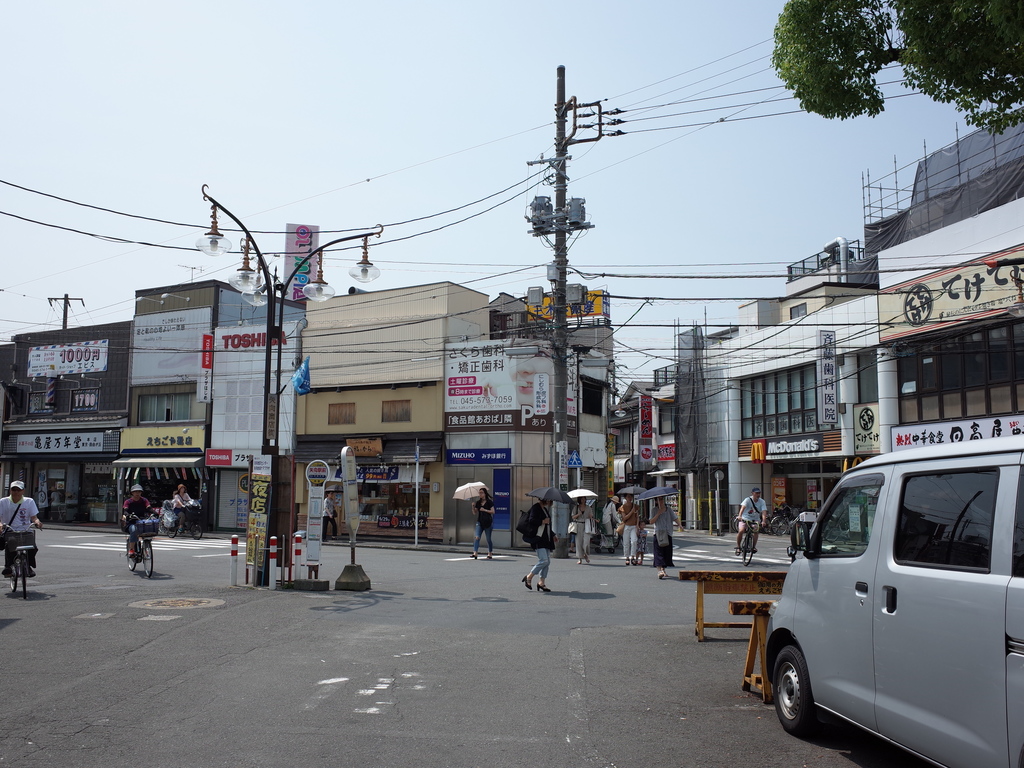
(272, 575)
(233, 580)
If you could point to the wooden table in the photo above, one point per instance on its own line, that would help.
(760, 682)
(730, 583)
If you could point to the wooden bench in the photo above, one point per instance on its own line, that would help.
(759, 681)
(730, 583)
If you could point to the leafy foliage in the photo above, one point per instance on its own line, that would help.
(966, 52)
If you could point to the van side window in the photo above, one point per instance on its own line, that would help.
(946, 520)
(847, 523)
(1018, 529)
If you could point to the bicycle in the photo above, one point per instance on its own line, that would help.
(747, 542)
(21, 542)
(143, 553)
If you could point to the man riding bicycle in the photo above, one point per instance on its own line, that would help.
(754, 509)
(18, 513)
(136, 507)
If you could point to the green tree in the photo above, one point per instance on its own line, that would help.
(970, 53)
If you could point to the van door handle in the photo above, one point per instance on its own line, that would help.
(861, 586)
(890, 599)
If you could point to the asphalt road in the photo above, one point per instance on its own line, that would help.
(445, 661)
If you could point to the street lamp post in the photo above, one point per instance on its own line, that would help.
(272, 293)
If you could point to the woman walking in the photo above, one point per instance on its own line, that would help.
(663, 520)
(630, 516)
(542, 542)
(583, 516)
(483, 508)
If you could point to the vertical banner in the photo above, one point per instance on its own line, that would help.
(501, 488)
(259, 513)
(300, 241)
(828, 384)
(778, 492)
(204, 382)
(646, 417)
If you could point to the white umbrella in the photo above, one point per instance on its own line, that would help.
(468, 491)
(582, 492)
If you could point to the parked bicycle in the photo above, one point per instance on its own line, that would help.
(21, 543)
(782, 519)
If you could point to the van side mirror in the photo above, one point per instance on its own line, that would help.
(799, 541)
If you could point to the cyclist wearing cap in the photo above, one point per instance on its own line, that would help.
(19, 513)
(752, 507)
(136, 507)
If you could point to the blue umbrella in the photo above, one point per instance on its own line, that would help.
(653, 493)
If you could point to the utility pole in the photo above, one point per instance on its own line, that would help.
(567, 216)
(65, 301)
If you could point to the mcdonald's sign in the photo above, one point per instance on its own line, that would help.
(759, 451)
(850, 463)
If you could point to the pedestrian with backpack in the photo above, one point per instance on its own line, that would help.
(536, 530)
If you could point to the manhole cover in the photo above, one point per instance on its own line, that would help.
(177, 603)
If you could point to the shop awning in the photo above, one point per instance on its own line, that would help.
(160, 461)
(665, 472)
(404, 451)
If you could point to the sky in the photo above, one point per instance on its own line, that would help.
(424, 118)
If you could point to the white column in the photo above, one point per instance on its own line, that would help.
(888, 399)
(849, 395)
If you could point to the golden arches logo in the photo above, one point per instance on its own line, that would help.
(759, 451)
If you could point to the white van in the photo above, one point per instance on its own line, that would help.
(903, 611)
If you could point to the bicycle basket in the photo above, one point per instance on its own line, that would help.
(147, 528)
(193, 514)
(17, 539)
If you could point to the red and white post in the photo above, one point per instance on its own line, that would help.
(233, 578)
(296, 557)
(272, 573)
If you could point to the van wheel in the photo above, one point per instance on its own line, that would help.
(794, 703)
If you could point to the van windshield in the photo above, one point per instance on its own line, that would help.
(846, 525)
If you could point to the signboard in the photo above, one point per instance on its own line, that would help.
(167, 346)
(486, 390)
(595, 306)
(317, 473)
(646, 417)
(971, 291)
(667, 452)
(866, 437)
(163, 439)
(300, 240)
(350, 492)
(478, 456)
(940, 433)
(367, 447)
(806, 444)
(63, 442)
(575, 460)
(62, 359)
(259, 514)
(828, 379)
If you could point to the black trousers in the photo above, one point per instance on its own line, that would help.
(330, 521)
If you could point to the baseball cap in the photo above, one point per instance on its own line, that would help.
(136, 487)
(755, 490)
(18, 484)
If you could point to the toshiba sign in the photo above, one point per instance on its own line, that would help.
(246, 340)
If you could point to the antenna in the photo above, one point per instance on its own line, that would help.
(192, 276)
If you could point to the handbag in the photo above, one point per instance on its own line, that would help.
(621, 529)
(574, 527)
(663, 538)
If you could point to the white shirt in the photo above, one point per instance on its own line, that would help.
(23, 520)
(753, 510)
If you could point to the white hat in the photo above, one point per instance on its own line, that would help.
(18, 484)
(136, 487)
